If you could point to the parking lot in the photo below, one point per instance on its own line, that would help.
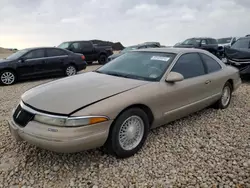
(206, 149)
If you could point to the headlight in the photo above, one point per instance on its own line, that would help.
(69, 121)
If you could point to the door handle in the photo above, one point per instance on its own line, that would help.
(208, 82)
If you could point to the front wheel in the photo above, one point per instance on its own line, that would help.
(226, 96)
(70, 70)
(102, 59)
(128, 133)
(7, 77)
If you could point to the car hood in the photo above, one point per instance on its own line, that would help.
(116, 55)
(66, 95)
(4, 61)
(240, 55)
(224, 44)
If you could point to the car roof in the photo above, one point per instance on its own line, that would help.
(37, 48)
(202, 38)
(171, 50)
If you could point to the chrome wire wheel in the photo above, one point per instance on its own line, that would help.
(131, 133)
(8, 78)
(226, 96)
(70, 71)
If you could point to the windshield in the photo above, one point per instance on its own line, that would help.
(17, 55)
(242, 43)
(64, 45)
(224, 40)
(149, 66)
(191, 41)
(129, 49)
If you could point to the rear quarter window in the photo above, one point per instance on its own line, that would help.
(55, 52)
(211, 64)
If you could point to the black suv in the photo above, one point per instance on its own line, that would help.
(138, 46)
(205, 43)
(91, 51)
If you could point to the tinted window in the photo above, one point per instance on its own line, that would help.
(189, 65)
(211, 64)
(141, 47)
(18, 54)
(75, 45)
(55, 52)
(213, 41)
(152, 46)
(139, 65)
(203, 41)
(191, 41)
(242, 43)
(224, 40)
(35, 54)
(86, 45)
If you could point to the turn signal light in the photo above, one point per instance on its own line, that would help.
(94, 120)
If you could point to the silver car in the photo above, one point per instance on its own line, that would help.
(116, 105)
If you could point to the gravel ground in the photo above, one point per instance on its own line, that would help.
(208, 149)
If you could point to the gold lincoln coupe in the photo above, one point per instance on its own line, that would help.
(116, 105)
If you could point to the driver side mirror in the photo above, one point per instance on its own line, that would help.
(174, 77)
(21, 60)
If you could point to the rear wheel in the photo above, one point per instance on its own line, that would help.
(226, 96)
(128, 133)
(7, 77)
(102, 59)
(70, 70)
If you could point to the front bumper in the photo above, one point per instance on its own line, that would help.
(82, 66)
(244, 68)
(61, 139)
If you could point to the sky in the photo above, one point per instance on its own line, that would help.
(32, 23)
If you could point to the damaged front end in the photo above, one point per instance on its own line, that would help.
(239, 59)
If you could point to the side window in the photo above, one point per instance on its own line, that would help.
(212, 41)
(152, 46)
(189, 65)
(203, 41)
(76, 45)
(55, 52)
(211, 64)
(85, 45)
(34, 54)
(141, 47)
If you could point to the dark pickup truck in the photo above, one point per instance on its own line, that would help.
(205, 43)
(91, 51)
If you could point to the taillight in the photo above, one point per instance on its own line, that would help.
(83, 57)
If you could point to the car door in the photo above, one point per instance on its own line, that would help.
(189, 95)
(204, 44)
(213, 75)
(32, 63)
(88, 51)
(56, 59)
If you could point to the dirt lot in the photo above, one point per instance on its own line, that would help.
(206, 149)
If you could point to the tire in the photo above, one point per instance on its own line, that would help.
(102, 59)
(223, 103)
(7, 77)
(90, 62)
(70, 70)
(114, 145)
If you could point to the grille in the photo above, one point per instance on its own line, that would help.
(22, 117)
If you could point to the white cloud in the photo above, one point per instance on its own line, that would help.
(50, 22)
